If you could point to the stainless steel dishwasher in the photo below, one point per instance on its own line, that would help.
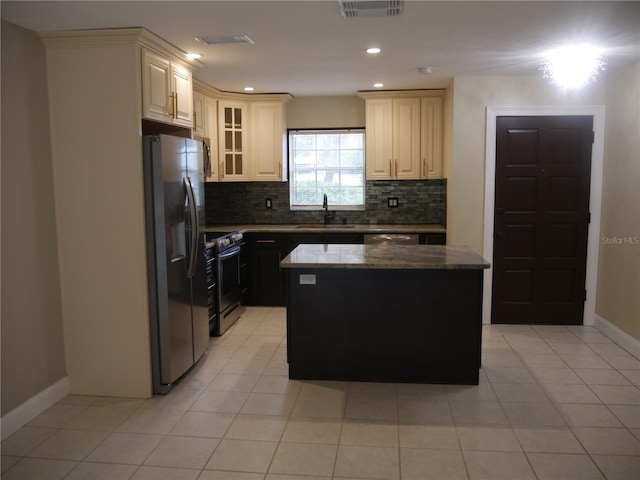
(395, 238)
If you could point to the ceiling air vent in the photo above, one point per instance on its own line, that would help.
(371, 8)
(223, 39)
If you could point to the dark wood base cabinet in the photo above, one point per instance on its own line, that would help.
(384, 325)
(266, 285)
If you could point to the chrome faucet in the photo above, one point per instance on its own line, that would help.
(327, 215)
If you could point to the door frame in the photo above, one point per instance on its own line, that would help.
(595, 194)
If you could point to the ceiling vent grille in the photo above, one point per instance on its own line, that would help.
(224, 39)
(371, 8)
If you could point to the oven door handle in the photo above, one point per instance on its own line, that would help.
(193, 213)
(232, 252)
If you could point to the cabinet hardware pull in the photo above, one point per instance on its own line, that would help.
(173, 105)
(391, 168)
(265, 241)
(280, 169)
(396, 161)
(222, 168)
(175, 111)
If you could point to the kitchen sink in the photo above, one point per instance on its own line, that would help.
(321, 226)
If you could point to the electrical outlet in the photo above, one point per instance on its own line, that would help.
(392, 202)
(268, 203)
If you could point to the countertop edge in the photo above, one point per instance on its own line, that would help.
(384, 257)
(350, 228)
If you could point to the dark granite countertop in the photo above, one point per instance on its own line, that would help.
(424, 257)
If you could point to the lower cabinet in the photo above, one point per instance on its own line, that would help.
(433, 238)
(266, 280)
(245, 273)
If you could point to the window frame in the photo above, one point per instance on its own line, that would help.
(318, 207)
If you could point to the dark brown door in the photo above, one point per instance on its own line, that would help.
(543, 168)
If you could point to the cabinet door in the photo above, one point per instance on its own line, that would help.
(267, 279)
(199, 118)
(183, 95)
(267, 141)
(232, 127)
(156, 87)
(379, 138)
(406, 138)
(431, 142)
(211, 132)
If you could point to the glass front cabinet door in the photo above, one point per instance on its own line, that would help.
(233, 131)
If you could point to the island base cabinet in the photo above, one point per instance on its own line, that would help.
(381, 325)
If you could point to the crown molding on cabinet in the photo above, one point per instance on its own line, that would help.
(119, 36)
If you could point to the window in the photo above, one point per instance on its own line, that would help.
(327, 162)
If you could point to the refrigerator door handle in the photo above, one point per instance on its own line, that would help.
(207, 165)
(194, 230)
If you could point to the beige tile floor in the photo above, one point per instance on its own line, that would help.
(557, 403)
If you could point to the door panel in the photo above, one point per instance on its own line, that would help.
(543, 169)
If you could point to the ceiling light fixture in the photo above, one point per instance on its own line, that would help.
(193, 56)
(425, 70)
(248, 89)
(378, 85)
(572, 66)
(373, 50)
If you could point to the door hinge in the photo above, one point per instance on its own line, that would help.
(593, 137)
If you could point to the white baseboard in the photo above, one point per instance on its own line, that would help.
(622, 338)
(24, 413)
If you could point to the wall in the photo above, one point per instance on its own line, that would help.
(100, 218)
(32, 340)
(421, 201)
(619, 263)
(471, 97)
(618, 278)
(326, 112)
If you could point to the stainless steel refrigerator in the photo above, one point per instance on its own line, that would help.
(174, 201)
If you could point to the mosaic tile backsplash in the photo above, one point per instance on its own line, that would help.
(419, 202)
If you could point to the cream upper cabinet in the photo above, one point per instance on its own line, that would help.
(404, 135)
(379, 143)
(393, 138)
(268, 141)
(406, 139)
(432, 137)
(233, 132)
(167, 90)
(246, 133)
(198, 114)
(210, 108)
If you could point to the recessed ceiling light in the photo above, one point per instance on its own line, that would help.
(193, 56)
(378, 85)
(373, 50)
(425, 70)
(248, 89)
(572, 66)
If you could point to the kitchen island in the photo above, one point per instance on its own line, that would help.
(384, 313)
